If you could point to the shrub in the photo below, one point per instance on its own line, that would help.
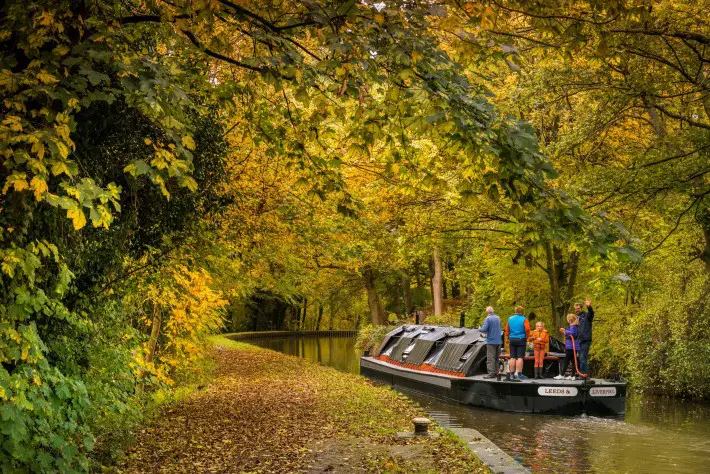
(371, 336)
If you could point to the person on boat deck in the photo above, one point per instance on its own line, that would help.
(517, 330)
(541, 346)
(585, 333)
(494, 334)
(570, 347)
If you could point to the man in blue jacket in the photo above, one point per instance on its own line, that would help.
(585, 333)
(494, 336)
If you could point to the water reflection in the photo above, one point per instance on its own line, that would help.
(656, 435)
(338, 352)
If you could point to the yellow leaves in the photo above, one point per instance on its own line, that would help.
(190, 183)
(73, 192)
(9, 262)
(13, 122)
(3, 394)
(147, 141)
(77, 217)
(114, 190)
(17, 181)
(62, 148)
(45, 18)
(7, 81)
(188, 142)
(39, 186)
(63, 131)
(101, 216)
(73, 103)
(62, 117)
(379, 18)
(416, 56)
(61, 50)
(38, 149)
(161, 184)
(59, 167)
(46, 78)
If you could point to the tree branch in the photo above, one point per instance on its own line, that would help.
(691, 122)
(697, 37)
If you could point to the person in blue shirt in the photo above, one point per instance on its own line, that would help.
(494, 336)
(518, 331)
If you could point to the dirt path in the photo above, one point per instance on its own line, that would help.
(267, 412)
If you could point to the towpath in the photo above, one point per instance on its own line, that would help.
(267, 412)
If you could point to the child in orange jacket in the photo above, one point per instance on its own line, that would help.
(541, 345)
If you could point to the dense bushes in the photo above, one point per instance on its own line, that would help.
(669, 347)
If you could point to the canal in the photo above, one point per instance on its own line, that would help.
(656, 435)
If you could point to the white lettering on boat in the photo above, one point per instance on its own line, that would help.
(557, 391)
(602, 391)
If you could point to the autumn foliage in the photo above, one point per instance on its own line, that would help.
(171, 168)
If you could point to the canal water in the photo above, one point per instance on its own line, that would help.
(655, 436)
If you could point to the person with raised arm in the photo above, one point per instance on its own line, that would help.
(585, 319)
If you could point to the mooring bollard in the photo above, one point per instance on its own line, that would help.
(421, 426)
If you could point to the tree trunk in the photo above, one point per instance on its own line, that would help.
(702, 216)
(436, 284)
(154, 333)
(407, 292)
(302, 319)
(455, 289)
(572, 265)
(553, 278)
(332, 314)
(418, 276)
(654, 117)
(377, 312)
(562, 277)
(320, 316)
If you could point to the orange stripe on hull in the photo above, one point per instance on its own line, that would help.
(421, 368)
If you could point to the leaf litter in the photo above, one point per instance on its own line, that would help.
(268, 412)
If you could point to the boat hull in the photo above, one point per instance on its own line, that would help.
(547, 396)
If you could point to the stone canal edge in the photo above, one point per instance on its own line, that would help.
(491, 455)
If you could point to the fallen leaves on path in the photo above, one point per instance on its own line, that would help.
(268, 412)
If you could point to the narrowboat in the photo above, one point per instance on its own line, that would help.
(450, 363)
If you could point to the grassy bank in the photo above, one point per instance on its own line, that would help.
(268, 412)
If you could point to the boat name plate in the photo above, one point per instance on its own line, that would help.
(603, 391)
(557, 391)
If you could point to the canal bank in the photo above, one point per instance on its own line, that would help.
(266, 412)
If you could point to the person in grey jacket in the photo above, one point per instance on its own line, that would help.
(494, 337)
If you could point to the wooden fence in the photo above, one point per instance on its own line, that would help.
(245, 336)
